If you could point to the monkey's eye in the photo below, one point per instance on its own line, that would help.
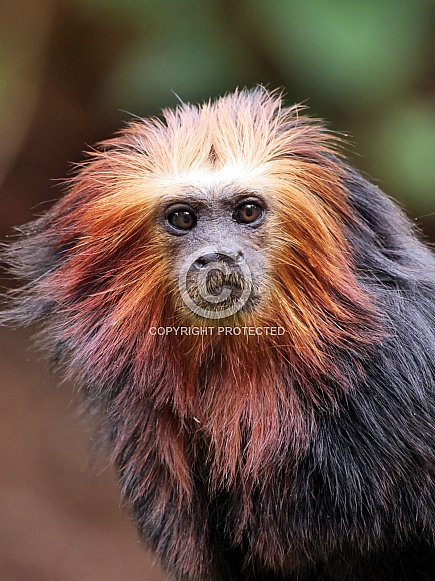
(182, 219)
(247, 213)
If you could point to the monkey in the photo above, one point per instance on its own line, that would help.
(254, 322)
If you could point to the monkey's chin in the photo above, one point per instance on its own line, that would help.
(234, 313)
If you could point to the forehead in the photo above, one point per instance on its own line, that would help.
(230, 180)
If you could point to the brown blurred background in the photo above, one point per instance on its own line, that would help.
(71, 73)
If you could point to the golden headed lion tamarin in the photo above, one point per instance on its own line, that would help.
(255, 323)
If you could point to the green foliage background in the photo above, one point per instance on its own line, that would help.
(366, 66)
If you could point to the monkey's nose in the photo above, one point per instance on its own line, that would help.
(206, 259)
(227, 257)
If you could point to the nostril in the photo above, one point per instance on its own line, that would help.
(207, 259)
(226, 256)
(238, 257)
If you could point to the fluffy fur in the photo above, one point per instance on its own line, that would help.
(306, 456)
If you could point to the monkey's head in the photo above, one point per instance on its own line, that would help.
(232, 213)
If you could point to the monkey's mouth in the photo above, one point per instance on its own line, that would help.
(218, 293)
(218, 290)
(218, 283)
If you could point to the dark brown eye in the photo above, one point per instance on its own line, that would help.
(182, 219)
(247, 213)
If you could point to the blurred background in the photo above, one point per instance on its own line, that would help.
(74, 71)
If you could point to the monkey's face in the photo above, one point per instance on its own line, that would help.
(216, 241)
